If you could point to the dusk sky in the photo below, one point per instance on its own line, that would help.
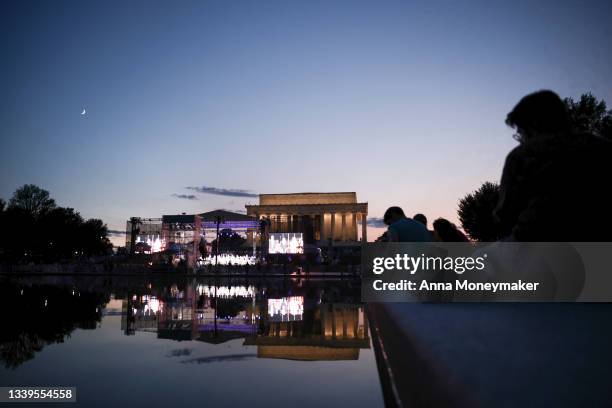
(401, 102)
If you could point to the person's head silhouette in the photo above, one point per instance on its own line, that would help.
(420, 218)
(392, 215)
(447, 231)
(539, 113)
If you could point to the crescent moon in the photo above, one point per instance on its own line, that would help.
(82, 113)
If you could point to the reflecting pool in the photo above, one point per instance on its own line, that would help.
(193, 342)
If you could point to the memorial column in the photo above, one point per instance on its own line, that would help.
(322, 232)
(364, 228)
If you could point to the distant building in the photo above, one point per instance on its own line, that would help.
(324, 219)
(281, 223)
(181, 234)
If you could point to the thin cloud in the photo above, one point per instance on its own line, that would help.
(239, 211)
(229, 192)
(376, 222)
(185, 196)
(217, 359)
(180, 352)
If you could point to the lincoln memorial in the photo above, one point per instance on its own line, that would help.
(323, 218)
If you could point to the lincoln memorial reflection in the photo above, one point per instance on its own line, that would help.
(311, 323)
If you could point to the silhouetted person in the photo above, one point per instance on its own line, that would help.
(383, 238)
(423, 220)
(404, 229)
(446, 231)
(552, 175)
(420, 218)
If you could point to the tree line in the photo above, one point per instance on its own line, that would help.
(35, 229)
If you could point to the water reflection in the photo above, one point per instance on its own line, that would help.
(285, 320)
(168, 341)
(36, 315)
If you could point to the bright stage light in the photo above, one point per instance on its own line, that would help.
(228, 259)
(227, 291)
(286, 309)
(153, 241)
(286, 243)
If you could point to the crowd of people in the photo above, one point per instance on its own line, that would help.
(405, 229)
(554, 185)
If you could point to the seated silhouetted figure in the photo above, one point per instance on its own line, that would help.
(446, 231)
(553, 175)
(404, 229)
(420, 218)
(423, 220)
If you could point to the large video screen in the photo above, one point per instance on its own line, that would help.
(286, 243)
(286, 309)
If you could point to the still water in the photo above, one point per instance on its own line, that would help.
(189, 342)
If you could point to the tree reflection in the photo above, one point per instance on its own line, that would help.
(39, 315)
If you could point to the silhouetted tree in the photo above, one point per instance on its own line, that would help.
(36, 230)
(16, 240)
(32, 199)
(3, 229)
(58, 234)
(229, 241)
(590, 115)
(228, 307)
(94, 240)
(476, 213)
